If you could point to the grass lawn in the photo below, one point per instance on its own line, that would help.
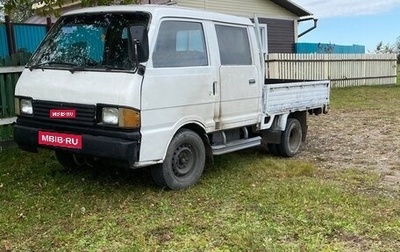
(248, 201)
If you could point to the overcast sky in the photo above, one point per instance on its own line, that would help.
(342, 8)
(347, 22)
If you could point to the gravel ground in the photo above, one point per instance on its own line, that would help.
(366, 140)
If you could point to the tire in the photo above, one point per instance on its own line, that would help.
(291, 138)
(69, 161)
(184, 162)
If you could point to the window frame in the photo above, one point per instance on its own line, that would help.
(264, 37)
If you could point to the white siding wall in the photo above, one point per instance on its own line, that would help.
(263, 8)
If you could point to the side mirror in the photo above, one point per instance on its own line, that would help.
(138, 43)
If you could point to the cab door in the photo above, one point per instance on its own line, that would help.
(177, 88)
(240, 92)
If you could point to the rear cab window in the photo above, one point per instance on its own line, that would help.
(234, 45)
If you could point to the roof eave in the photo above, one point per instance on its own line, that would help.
(292, 7)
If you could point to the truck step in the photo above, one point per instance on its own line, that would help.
(236, 145)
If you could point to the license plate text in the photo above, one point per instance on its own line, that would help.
(60, 140)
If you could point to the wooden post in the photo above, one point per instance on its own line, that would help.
(10, 36)
(48, 24)
(3, 98)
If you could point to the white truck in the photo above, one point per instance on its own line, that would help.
(161, 87)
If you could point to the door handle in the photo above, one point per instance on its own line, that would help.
(214, 87)
(252, 81)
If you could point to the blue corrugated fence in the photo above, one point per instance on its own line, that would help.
(328, 48)
(16, 37)
(3, 41)
(28, 37)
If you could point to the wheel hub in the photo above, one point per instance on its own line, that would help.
(183, 160)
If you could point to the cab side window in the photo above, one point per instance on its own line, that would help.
(234, 46)
(180, 44)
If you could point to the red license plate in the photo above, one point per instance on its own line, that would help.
(62, 113)
(70, 141)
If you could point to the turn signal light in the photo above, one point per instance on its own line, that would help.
(129, 118)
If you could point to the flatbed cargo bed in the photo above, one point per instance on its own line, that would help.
(289, 97)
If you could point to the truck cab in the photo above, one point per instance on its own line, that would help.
(156, 86)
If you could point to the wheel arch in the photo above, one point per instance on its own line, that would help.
(193, 125)
(273, 135)
(200, 130)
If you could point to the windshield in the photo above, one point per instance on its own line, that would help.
(96, 41)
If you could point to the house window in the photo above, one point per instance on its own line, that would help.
(180, 44)
(234, 46)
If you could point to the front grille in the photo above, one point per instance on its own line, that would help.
(85, 114)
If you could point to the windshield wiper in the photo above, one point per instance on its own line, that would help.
(109, 67)
(48, 63)
(77, 68)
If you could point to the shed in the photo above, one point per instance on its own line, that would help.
(278, 18)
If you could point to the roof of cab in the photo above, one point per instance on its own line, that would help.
(160, 11)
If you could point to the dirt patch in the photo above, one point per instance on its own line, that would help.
(356, 139)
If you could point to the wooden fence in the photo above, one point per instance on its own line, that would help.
(10, 70)
(343, 70)
(8, 79)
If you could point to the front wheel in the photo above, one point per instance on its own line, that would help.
(291, 138)
(184, 162)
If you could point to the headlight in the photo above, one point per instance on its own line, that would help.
(23, 106)
(122, 117)
(110, 116)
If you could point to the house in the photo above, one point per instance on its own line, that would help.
(278, 18)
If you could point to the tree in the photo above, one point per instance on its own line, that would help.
(1, 12)
(17, 10)
(20, 10)
(389, 48)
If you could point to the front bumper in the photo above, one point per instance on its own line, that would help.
(95, 145)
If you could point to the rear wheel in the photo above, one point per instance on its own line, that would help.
(291, 138)
(184, 162)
